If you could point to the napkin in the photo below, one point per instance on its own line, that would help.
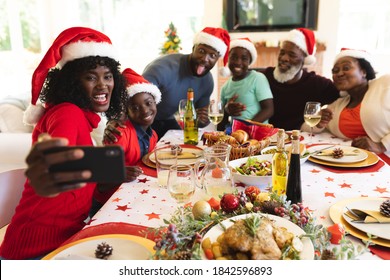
(367, 216)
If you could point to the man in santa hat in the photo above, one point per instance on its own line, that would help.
(173, 74)
(291, 85)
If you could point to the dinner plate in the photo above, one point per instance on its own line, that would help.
(370, 160)
(352, 154)
(377, 229)
(308, 248)
(150, 158)
(336, 214)
(125, 247)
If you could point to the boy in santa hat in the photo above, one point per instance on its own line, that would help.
(248, 88)
(137, 137)
(78, 78)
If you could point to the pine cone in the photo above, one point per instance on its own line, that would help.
(269, 207)
(103, 251)
(182, 255)
(327, 255)
(338, 153)
(384, 208)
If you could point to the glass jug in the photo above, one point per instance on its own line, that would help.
(215, 177)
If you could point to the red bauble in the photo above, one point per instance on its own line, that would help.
(229, 202)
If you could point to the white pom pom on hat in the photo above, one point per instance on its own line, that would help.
(354, 53)
(306, 41)
(245, 43)
(137, 84)
(71, 44)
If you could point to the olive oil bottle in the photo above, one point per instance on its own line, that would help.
(190, 120)
(279, 165)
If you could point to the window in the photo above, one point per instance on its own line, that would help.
(136, 28)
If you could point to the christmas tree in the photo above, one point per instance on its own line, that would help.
(172, 44)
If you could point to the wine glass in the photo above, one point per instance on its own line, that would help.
(182, 108)
(181, 184)
(312, 116)
(216, 112)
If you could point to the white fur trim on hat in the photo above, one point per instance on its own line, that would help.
(33, 113)
(82, 49)
(354, 53)
(310, 59)
(246, 45)
(144, 87)
(225, 71)
(211, 40)
(298, 38)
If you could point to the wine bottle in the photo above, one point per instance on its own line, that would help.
(279, 165)
(190, 120)
(294, 188)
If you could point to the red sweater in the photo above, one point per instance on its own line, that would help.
(42, 224)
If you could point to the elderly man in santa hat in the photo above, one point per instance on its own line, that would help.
(291, 85)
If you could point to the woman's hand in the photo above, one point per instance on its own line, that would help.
(44, 182)
(234, 108)
(366, 143)
(111, 134)
(326, 117)
(132, 172)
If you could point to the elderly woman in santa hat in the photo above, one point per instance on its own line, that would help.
(78, 78)
(363, 113)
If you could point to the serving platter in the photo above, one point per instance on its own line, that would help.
(308, 248)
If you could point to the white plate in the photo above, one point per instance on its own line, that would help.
(125, 247)
(377, 229)
(308, 248)
(261, 182)
(360, 154)
(273, 138)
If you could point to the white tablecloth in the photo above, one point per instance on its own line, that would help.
(142, 202)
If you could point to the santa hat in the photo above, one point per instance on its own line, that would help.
(71, 44)
(137, 84)
(354, 53)
(218, 38)
(306, 41)
(245, 43)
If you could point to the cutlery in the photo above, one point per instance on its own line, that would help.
(318, 151)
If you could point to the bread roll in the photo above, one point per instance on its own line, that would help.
(240, 135)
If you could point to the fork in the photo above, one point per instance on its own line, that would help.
(318, 151)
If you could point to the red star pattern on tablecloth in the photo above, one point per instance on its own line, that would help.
(380, 190)
(344, 185)
(153, 216)
(144, 191)
(329, 179)
(144, 180)
(122, 208)
(329, 194)
(315, 171)
(117, 199)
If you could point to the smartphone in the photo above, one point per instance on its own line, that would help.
(106, 163)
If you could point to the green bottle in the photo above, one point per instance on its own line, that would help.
(190, 120)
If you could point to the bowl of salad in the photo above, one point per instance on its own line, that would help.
(253, 171)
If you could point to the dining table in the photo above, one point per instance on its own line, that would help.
(141, 204)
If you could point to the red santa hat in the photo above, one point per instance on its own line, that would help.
(306, 41)
(245, 43)
(71, 44)
(218, 38)
(137, 84)
(354, 53)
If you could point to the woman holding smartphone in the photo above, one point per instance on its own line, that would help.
(85, 81)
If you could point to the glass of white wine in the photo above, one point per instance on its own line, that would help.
(181, 184)
(312, 116)
(182, 108)
(216, 112)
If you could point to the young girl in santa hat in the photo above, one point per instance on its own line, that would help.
(247, 94)
(85, 81)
